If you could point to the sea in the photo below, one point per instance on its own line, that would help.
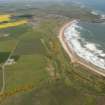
(91, 36)
(94, 32)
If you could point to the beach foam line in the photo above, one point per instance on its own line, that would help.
(89, 51)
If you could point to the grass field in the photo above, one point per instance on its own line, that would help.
(30, 69)
(8, 43)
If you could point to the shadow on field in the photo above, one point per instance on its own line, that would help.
(4, 56)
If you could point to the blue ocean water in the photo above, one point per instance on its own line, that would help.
(83, 37)
(93, 34)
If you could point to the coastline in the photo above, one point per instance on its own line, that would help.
(72, 54)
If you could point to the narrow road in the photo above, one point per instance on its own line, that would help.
(3, 69)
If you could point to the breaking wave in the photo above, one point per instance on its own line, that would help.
(94, 13)
(84, 49)
(98, 13)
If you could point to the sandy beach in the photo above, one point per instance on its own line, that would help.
(71, 53)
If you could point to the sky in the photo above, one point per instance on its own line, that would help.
(98, 4)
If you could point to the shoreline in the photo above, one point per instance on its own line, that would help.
(72, 54)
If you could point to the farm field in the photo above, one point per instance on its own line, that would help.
(12, 24)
